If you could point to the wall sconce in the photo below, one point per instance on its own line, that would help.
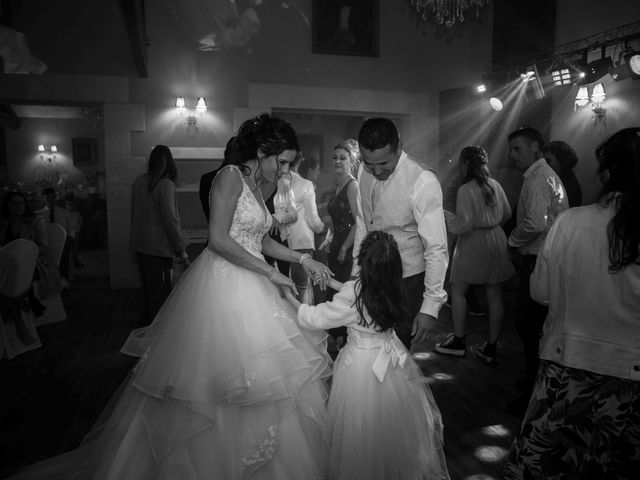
(598, 95)
(191, 118)
(47, 174)
(49, 156)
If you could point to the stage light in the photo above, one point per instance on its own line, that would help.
(481, 89)
(632, 61)
(561, 76)
(495, 103)
(596, 70)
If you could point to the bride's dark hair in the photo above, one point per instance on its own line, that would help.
(619, 169)
(271, 135)
(379, 287)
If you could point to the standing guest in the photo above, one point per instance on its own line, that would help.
(156, 235)
(383, 422)
(54, 213)
(75, 226)
(342, 208)
(563, 159)
(400, 196)
(280, 203)
(542, 196)
(583, 420)
(481, 256)
(302, 231)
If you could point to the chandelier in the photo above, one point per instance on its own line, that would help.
(447, 12)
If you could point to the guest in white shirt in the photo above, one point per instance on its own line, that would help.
(302, 231)
(541, 198)
(402, 197)
(583, 419)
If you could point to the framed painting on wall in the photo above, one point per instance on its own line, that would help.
(345, 27)
(85, 151)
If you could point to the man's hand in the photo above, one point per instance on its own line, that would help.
(422, 327)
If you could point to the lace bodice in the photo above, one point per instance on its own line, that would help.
(251, 220)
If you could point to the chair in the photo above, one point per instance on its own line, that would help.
(17, 266)
(55, 312)
(56, 236)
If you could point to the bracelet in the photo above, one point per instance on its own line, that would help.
(303, 257)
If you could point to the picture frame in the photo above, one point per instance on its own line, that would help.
(85, 151)
(346, 28)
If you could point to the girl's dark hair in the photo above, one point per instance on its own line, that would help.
(161, 165)
(619, 156)
(379, 287)
(476, 161)
(266, 133)
(4, 210)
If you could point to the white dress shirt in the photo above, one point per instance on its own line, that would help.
(301, 232)
(409, 206)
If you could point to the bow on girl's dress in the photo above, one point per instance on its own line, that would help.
(390, 354)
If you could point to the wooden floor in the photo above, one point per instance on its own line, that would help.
(51, 396)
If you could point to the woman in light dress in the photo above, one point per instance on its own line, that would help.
(228, 386)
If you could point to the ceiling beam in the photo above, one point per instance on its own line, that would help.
(133, 12)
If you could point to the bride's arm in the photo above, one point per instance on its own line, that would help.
(225, 192)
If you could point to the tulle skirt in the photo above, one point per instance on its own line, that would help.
(228, 387)
(381, 430)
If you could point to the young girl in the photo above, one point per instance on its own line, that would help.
(383, 422)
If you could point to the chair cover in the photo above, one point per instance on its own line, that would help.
(17, 330)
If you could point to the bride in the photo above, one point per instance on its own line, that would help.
(228, 385)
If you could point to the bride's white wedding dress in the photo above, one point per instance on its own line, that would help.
(228, 386)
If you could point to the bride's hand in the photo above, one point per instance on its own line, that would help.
(283, 282)
(319, 272)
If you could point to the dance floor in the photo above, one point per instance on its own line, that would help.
(51, 396)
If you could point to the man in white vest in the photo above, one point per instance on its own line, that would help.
(400, 196)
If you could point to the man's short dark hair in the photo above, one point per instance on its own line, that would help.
(378, 132)
(530, 133)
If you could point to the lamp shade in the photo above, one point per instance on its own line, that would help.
(582, 98)
(180, 103)
(201, 105)
(54, 149)
(598, 94)
(41, 148)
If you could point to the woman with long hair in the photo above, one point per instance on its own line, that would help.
(228, 387)
(583, 418)
(156, 234)
(481, 256)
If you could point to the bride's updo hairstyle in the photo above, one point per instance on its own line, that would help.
(266, 133)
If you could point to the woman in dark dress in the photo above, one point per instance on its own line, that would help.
(342, 208)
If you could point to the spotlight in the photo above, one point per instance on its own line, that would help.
(632, 61)
(495, 103)
(596, 70)
(481, 89)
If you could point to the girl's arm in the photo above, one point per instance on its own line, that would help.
(336, 313)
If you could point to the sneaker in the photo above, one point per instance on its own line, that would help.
(452, 346)
(487, 353)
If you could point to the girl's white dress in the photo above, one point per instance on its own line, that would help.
(228, 386)
(383, 422)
